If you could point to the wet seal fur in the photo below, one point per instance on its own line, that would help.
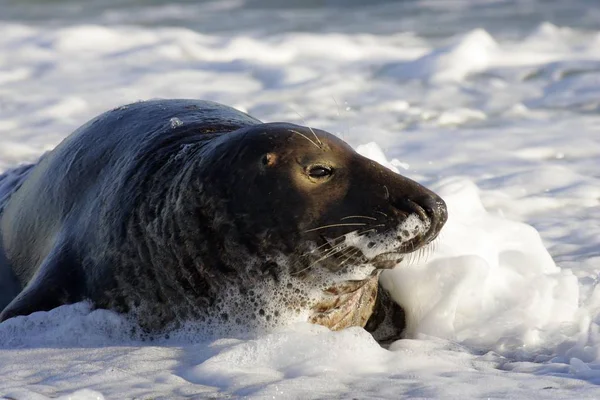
(185, 210)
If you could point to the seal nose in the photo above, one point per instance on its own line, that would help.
(436, 210)
(429, 207)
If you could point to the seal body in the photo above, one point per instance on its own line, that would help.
(185, 210)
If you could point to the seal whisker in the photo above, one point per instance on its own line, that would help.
(410, 259)
(336, 249)
(347, 123)
(334, 226)
(349, 254)
(337, 105)
(431, 248)
(328, 242)
(348, 250)
(297, 112)
(346, 253)
(305, 137)
(420, 254)
(365, 232)
(326, 256)
(371, 229)
(352, 251)
(358, 216)
(382, 213)
(315, 135)
(309, 266)
(341, 253)
(304, 122)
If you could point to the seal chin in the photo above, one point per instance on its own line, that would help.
(387, 260)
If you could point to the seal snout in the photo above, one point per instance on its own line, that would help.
(436, 211)
(429, 208)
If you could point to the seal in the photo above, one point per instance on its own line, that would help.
(185, 210)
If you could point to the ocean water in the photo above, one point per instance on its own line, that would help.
(493, 104)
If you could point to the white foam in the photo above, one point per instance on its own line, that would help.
(486, 268)
(374, 152)
(470, 53)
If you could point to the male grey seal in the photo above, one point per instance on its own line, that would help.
(186, 210)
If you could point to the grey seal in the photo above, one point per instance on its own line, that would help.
(187, 210)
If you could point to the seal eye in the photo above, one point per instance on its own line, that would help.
(319, 171)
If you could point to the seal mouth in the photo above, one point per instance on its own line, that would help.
(416, 243)
(391, 259)
(387, 260)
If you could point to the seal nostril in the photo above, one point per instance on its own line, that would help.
(410, 206)
(429, 208)
(430, 204)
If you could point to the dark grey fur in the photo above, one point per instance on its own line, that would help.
(161, 206)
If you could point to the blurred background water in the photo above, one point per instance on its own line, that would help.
(431, 19)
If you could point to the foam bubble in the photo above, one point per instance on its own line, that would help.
(175, 122)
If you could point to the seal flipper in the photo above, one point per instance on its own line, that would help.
(388, 320)
(57, 282)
